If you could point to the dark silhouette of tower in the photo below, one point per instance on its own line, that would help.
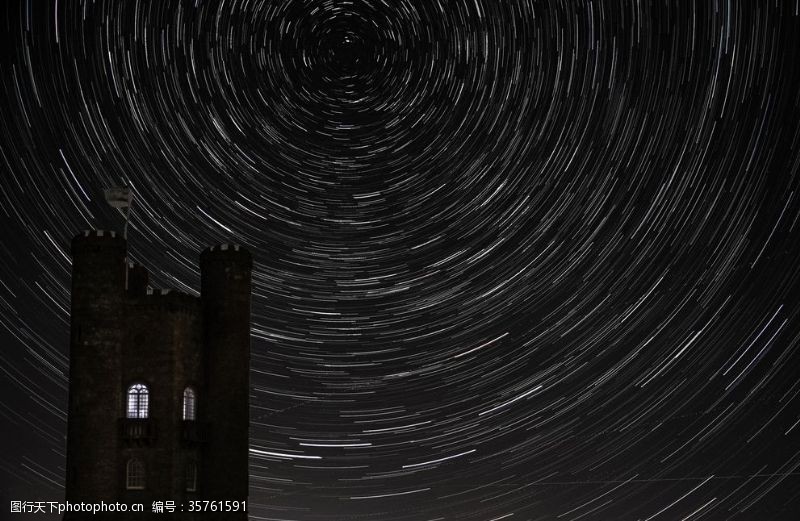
(159, 384)
(225, 290)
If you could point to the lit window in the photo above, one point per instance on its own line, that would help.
(191, 476)
(138, 401)
(189, 404)
(135, 475)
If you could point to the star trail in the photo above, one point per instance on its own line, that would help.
(513, 260)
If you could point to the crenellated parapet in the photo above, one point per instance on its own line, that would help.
(228, 254)
(167, 301)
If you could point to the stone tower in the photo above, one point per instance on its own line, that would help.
(159, 384)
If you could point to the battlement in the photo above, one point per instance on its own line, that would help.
(92, 234)
(167, 300)
(108, 246)
(225, 247)
(227, 253)
(95, 240)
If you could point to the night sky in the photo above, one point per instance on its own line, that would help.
(513, 260)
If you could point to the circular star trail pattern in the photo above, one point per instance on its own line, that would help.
(514, 260)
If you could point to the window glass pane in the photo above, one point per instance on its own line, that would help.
(135, 475)
(191, 476)
(189, 404)
(138, 401)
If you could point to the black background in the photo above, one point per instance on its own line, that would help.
(514, 260)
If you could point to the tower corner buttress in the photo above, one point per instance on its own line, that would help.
(226, 273)
(96, 335)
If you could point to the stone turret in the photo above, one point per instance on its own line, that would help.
(97, 331)
(225, 288)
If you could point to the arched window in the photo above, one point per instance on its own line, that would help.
(138, 401)
(134, 475)
(191, 476)
(189, 404)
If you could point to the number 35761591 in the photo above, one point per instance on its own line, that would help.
(216, 506)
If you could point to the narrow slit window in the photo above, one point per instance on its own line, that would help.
(191, 476)
(135, 477)
(138, 401)
(189, 404)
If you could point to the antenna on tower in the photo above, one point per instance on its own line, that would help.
(121, 198)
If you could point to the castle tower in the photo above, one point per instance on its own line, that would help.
(225, 289)
(159, 384)
(97, 330)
